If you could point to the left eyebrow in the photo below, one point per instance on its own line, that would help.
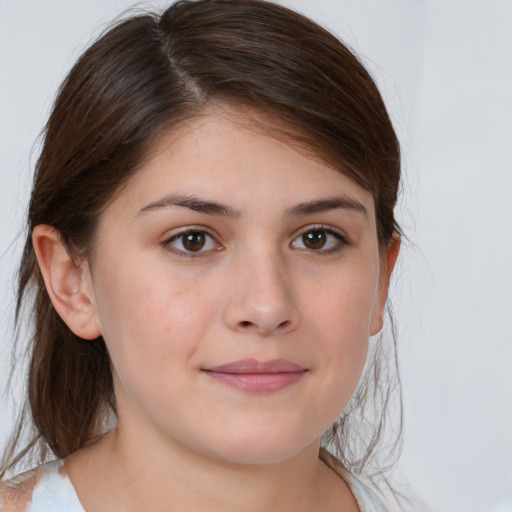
(330, 203)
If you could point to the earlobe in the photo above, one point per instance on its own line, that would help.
(388, 263)
(68, 283)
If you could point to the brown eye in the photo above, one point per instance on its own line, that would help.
(314, 239)
(194, 241)
(191, 242)
(321, 240)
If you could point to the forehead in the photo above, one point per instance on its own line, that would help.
(238, 158)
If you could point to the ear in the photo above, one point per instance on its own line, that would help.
(68, 283)
(387, 264)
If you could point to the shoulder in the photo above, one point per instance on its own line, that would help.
(16, 494)
(44, 489)
(366, 499)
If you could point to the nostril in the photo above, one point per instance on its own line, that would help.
(247, 324)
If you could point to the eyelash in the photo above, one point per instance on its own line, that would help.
(342, 241)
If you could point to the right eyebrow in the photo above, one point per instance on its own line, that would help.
(194, 203)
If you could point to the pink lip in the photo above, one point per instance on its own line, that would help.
(257, 376)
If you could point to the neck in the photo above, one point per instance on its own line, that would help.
(121, 473)
(194, 481)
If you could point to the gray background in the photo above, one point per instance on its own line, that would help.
(445, 70)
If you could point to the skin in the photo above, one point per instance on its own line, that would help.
(256, 289)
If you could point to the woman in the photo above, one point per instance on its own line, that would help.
(210, 241)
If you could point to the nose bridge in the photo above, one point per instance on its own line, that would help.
(266, 278)
(262, 299)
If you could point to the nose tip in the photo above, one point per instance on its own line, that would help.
(263, 303)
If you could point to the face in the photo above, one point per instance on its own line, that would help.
(236, 282)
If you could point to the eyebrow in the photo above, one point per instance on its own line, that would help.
(214, 208)
(330, 203)
(194, 203)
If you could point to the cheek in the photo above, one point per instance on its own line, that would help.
(342, 322)
(343, 305)
(150, 317)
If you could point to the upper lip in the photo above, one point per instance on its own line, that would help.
(255, 366)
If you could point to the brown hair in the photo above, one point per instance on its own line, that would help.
(143, 76)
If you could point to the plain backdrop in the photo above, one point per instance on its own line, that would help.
(445, 70)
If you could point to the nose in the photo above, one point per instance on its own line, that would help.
(262, 299)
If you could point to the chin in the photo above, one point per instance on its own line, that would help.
(259, 447)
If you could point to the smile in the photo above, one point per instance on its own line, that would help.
(255, 376)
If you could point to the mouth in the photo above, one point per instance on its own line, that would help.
(253, 376)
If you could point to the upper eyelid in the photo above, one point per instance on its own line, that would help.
(321, 227)
(177, 232)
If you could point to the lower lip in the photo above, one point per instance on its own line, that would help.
(257, 382)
